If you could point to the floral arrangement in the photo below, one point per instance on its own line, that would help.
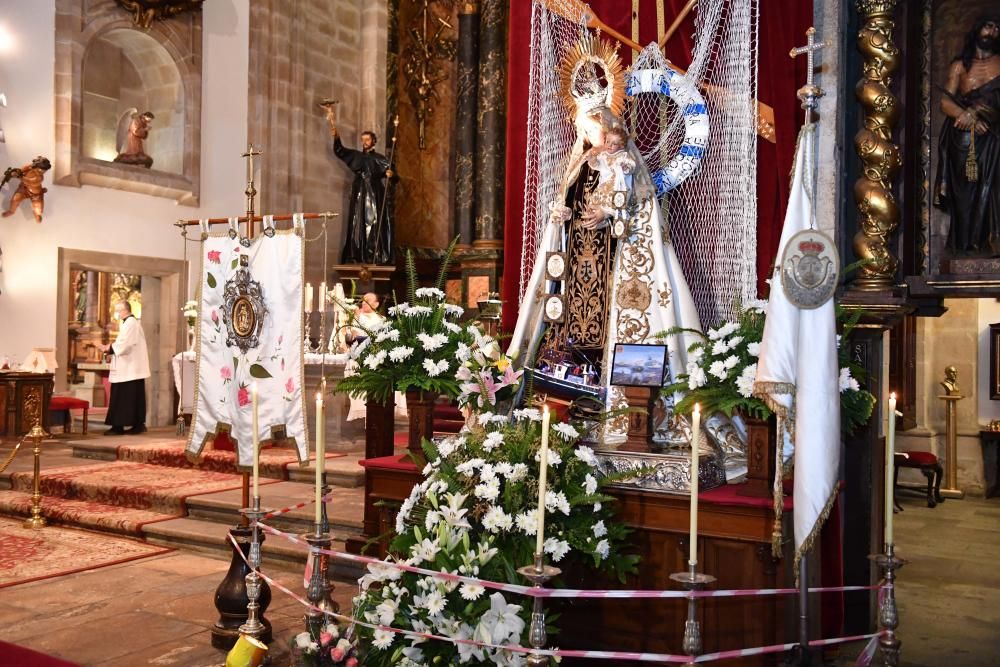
(475, 514)
(723, 364)
(416, 348)
(190, 312)
(328, 649)
(486, 374)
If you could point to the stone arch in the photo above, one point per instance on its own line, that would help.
(157, 70)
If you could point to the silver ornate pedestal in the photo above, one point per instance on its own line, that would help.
(888, 617)
(318, 590)
(669, 472)
(692, 580)
(538, 574)
(253, 627)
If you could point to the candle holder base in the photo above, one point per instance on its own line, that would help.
(318, 590)
(692, 580)
(958, 494)
(888, 617)
(538, 573)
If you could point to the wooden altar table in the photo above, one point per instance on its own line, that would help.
(24, 400)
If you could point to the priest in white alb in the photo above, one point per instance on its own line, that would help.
(129, 370)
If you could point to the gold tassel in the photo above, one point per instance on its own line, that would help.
(971, 167)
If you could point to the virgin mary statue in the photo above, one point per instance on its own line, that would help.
(605, 271)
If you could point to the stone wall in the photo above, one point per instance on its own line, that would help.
(958, 338)
(302, 51)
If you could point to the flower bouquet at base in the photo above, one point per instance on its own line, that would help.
(416, 348)
(487, 376)
(475, 514)
(190, 312)
(722, 367)
(328, 649)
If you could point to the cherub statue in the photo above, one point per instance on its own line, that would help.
(31, 176)
(130, 141)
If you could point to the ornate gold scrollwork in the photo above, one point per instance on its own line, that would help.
(878, 212)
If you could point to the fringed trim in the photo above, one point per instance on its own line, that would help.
(766, 391)
(807, 544)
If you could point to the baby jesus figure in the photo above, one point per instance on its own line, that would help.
(614, 167)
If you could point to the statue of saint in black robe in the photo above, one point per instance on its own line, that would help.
(974, 205)
(369, 235)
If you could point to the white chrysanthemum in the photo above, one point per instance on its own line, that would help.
(434, 369)
(533, 414)
(417, 311)
(697, 379)
(469, 467)
(503, 468)
(718, 369)
(527, 522)
(448, 446)
(373, 361)
(470, 591)
(452, 310)
(492, 441)
(430, 293)
(697, 353)
(557, 548)
(452, 327)
(431, 343)
(602, 549)
(600, 530)
(753, 349)
(398, 354)
(585, 454)
(744, 383)
(720, 347)
(488, 490)
(566, 431)
(731, 361)
(399, 309)
(462, 352)
(431, 520)
(556, 501)
(597, 507)
(382, 639)
(846, 381)
(519, 472)
(435, 603)
(755, 305)
(387, 334)
(496, 520)
(487, 472)
(590, 484)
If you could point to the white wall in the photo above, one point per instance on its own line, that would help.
(93, 218)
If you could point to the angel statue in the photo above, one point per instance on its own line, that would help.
(31, 176)
(604, 272)
(133, 129)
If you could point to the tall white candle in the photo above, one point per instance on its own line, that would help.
(543, 473)
(309, 298)
(320, 455)
(890, 463)
(695, 440)
(256, 443)
(321, 307)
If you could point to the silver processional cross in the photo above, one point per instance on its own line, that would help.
(809, 93)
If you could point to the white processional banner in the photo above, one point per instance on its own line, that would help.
(798, 377)
(250, 334)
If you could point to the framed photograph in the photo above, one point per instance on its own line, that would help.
(639, 365)
(995, 361)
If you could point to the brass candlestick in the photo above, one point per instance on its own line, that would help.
(253, 626)
(538, 574)
(692, 580)
(37, 434)
(888, 617)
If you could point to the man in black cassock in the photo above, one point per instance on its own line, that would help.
(129, 370)
(967, 186)
(369, 234)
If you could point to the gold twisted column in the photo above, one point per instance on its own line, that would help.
(878, 212)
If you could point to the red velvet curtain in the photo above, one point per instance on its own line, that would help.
(782, 26)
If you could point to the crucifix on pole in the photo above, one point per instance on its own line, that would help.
(809, 93)
(251, 191)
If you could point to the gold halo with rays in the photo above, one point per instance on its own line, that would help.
(592, 50)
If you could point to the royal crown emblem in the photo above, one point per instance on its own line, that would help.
(809, 269)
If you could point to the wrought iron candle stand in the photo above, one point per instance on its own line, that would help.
(318, 590)
(253, 626)
(538, 574)
(692, 580)
(888, 617)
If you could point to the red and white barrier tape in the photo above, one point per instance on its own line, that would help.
(298, 506)
(569, 653)
(533, 592)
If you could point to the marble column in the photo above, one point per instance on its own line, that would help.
(465, 121)
(491, 124)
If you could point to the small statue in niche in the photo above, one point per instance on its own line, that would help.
(81, 297)
(130, 139)
(31, 176)
(950, 383)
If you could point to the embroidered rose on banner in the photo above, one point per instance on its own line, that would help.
(243, 396)
(290, 385)
(214, 256)
(226, 373)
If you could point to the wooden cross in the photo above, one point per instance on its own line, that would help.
(809, 93)
(251, 191)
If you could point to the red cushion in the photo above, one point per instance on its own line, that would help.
(915, 459)
(68, 403)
